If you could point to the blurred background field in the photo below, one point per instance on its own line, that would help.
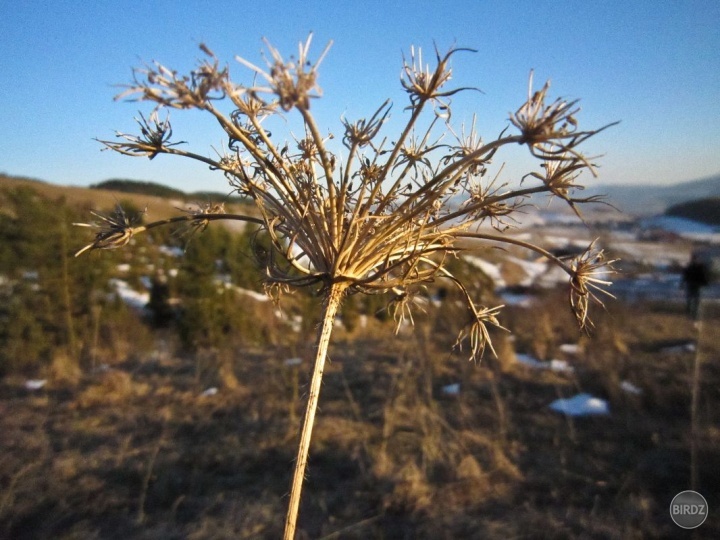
(156, 392)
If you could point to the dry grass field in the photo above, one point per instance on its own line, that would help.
(143, 449)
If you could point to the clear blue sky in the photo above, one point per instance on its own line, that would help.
(653, 65)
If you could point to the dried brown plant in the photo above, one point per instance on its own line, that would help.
(382, 217)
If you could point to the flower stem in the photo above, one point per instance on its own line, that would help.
(332, 301)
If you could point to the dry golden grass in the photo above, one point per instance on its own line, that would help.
(111, 388)
(389, 460)
(64, 370)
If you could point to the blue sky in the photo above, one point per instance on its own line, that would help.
(655, 66)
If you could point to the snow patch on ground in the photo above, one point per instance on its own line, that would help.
(539, 272)
(488, 268)
(515, 299)
(679, 349)
(258, 297)
(560, 366)
(570, 348)
(581, 405)
(171, 251)
(686, 228)
(630, 388)
(296, 361)
(533, 269)
(131, 297)
(35, 384)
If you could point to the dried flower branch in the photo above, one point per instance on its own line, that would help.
(116, 230)
(383, 217)
(589, 273)
(551, 131)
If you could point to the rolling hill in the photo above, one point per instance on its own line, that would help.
(160, 204)
(646, 200)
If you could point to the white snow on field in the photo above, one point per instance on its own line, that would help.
(630, 388)
(564, 241)
(451, 389)
(515, 299)
(225, 281)
(489, 269)
(533, 269)
(553, 277)
(679, 349)
(35, 384)
(570, 348)
(131, 297)
(581, 405)
(539, 272)
(560, 366)
(257, 296)
(171, 251)
(686, 228)
(295, 361)
(656, 254)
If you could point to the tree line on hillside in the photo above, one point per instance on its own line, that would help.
(55, 308)
(159, 190)
(705, 210)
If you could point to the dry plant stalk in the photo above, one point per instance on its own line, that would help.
(382, 216)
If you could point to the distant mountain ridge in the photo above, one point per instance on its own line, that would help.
(647, 200)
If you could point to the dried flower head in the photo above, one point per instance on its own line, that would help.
(202, 213)
(116, 230)
(360, 133)
(423, 83)
(589, 275)
(154, 138)
(551, 130)
(387, 217)
(294, 81)
(476, 331)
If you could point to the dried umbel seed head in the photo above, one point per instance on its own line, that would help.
(360, 133)
(589, 275)
(423, 83)
(116, 230)
(294, 82)
(383, 216)
(551, 130)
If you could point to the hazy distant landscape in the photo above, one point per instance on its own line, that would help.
(155, 392)
(653, 199)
